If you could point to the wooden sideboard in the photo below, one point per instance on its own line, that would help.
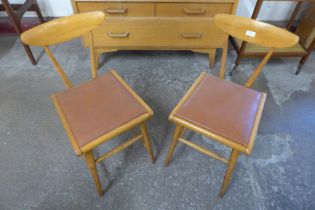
(159, 25)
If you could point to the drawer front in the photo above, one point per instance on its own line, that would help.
(117, 9)
(192, 9)
(159, 33)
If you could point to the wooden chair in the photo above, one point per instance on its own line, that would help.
(224, 111)
(16, 12)
(258, 33)
(94, 112)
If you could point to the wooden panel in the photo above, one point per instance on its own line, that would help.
(117, 9)
(192, 9)
(159, 33)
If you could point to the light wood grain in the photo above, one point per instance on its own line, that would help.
(118, 9)
(62, 29)
(119, 148)
(60, 71)
(147, 141)
(255, 32)
(89, 158)
(192, 9)
(258, 69)
(159, 33)
(157, 27)
(229, 171)
(176, 135)
(203, 150)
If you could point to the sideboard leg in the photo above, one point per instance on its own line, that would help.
(97, 59)
(212, 53)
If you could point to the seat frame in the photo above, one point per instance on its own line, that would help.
(182, 125)
(72, 27)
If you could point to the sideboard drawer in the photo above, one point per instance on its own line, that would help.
(192, 9)
(158, 33)
(117, 9)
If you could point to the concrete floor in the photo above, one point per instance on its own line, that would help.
(39, 170)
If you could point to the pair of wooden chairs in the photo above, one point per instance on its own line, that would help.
(94, 112)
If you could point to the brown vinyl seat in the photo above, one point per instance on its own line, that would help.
(100, 109)
(222, 107)
(95, 108)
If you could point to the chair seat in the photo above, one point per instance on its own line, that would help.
(221, 107)
(97, 107)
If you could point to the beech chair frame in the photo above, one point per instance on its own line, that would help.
(182, 125)
(255, 32)
(250, 31)
(44, 36)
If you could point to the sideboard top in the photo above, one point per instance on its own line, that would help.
(170, 1)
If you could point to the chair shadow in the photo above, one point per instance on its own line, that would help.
(119, 170)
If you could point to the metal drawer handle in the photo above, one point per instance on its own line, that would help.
(194, 11)
(116, 11)
(192, 35)
(118, 35)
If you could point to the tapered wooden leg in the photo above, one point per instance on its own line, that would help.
(177, 133)
(223, 62)
(229, 171)
(93, 170)
(147, 142)
(212, 58)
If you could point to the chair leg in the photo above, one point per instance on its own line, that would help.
(38, 12)
(177, 133)
(93, 170)
(147, 142)
(223, 61)
(229, 171)
(29, 54)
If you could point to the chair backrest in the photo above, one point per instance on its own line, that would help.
(257, 33)
(61, 30)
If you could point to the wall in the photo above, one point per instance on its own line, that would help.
(51, 8)
(275, 11)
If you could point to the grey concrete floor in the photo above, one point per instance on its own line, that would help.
(39, 170)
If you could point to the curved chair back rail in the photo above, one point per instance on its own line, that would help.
(255, 32)
(62, 29)
(258, 33)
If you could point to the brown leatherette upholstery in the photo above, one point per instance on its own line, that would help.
(94, 108)
(222, 107)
